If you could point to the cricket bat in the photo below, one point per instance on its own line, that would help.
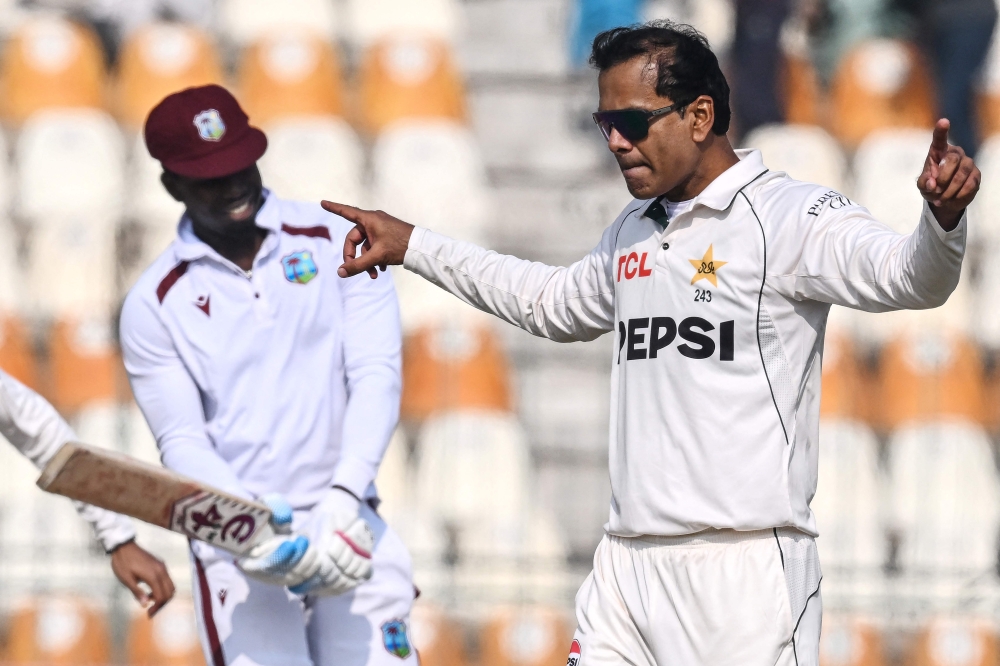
(152, 494)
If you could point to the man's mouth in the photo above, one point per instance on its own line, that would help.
(632, 171)
(240, 210)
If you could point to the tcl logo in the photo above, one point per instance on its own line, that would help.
(633, 265)
(647, 337)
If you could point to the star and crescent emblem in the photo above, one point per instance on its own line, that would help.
(706, 267)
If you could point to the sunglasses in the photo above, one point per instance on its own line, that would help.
(633, 124)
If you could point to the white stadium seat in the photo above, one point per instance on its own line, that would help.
(314, 158)
(984, 245)
(371, 20)
(944, 500)
(886, 167)
(245, 21)
(70, 161)
(11, 278)
(514, 37)
(805, 152)
(716, 19)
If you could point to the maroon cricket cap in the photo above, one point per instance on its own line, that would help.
(202, 133)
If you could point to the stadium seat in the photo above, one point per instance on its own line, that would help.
(955, 641)
(525, 37)
(50, 63)
(150, 206)
(886, 167)
(85, 363)
(160, 59)
(11, 271)
(944, 503)
(243, 22)
(852, 538)
(453, 367)
(290, 74)
(437, 639)
(70, 162)
(58, 631)
(984, 246)
(371, 20)
(169, 639)
(430, 173)
(845, 382)
(314, 158)
(525, 636)
(928, 376)
(408, 77)
(804, 101)
(880, 84)
(850, 641)
(394, 481)
(17, 352)
(804, 152)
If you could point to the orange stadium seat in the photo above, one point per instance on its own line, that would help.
(453, 367)
(436, 638)
(928, 377)
(169, 639)
(955, 642)
(160, 59)
(525, 636)
(845, 383)
(881, 83)
(850, 641)
(801, 92)
(48, 63)
(291, 73)
(17, 353)
(85, 364)
(57, 631)
(409, 77)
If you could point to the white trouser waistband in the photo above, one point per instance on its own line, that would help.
(711, 536)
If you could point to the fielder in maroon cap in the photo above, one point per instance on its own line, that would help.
(263, 373)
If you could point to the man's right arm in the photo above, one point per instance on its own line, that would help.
(169, 399)
(560, 303)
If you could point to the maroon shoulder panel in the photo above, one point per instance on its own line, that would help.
(314, 232)
(171, 279)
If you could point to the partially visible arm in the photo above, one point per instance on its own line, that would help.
(372, 347)
(170, 400)
(32, 425)
(563, 304)
(848, 258)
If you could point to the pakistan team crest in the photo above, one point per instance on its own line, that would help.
(210, 125)
(395, 639)
(299, 266)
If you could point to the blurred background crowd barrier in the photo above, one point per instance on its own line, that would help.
(471, 117)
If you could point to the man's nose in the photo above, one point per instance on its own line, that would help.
(617, 143)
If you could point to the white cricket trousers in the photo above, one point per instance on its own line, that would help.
(243, 622)
(716, 598)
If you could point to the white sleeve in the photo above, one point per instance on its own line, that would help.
(372, 359)
(849, 258)
(564, 304)
(34, 427)
(170, 399)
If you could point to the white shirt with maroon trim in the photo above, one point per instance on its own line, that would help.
(719, 316)
(286, 379)
(35, 428)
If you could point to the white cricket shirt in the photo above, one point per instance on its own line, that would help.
(719, 321)
(35, 428)
(286, 380)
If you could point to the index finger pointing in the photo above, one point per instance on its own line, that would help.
(939, 143)
(347, 212)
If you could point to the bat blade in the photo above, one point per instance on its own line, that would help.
(156, 495)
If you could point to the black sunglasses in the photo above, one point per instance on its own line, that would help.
(633, 124)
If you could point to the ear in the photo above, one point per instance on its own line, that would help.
(171, 185)
(702, 117)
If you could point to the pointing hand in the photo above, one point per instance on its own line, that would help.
(950, 178)
(382, 238)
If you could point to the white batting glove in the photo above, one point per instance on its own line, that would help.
(286, 559)
(345, 543)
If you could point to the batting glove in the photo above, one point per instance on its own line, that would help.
(345, 542)
(285, 559)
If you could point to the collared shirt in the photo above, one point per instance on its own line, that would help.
(35, 428)
(283, 379)
(719, 318)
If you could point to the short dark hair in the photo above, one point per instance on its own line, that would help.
(686, 66)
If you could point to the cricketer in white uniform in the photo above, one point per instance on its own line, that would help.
(717, 282)
(35, 428)
(260, 371)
